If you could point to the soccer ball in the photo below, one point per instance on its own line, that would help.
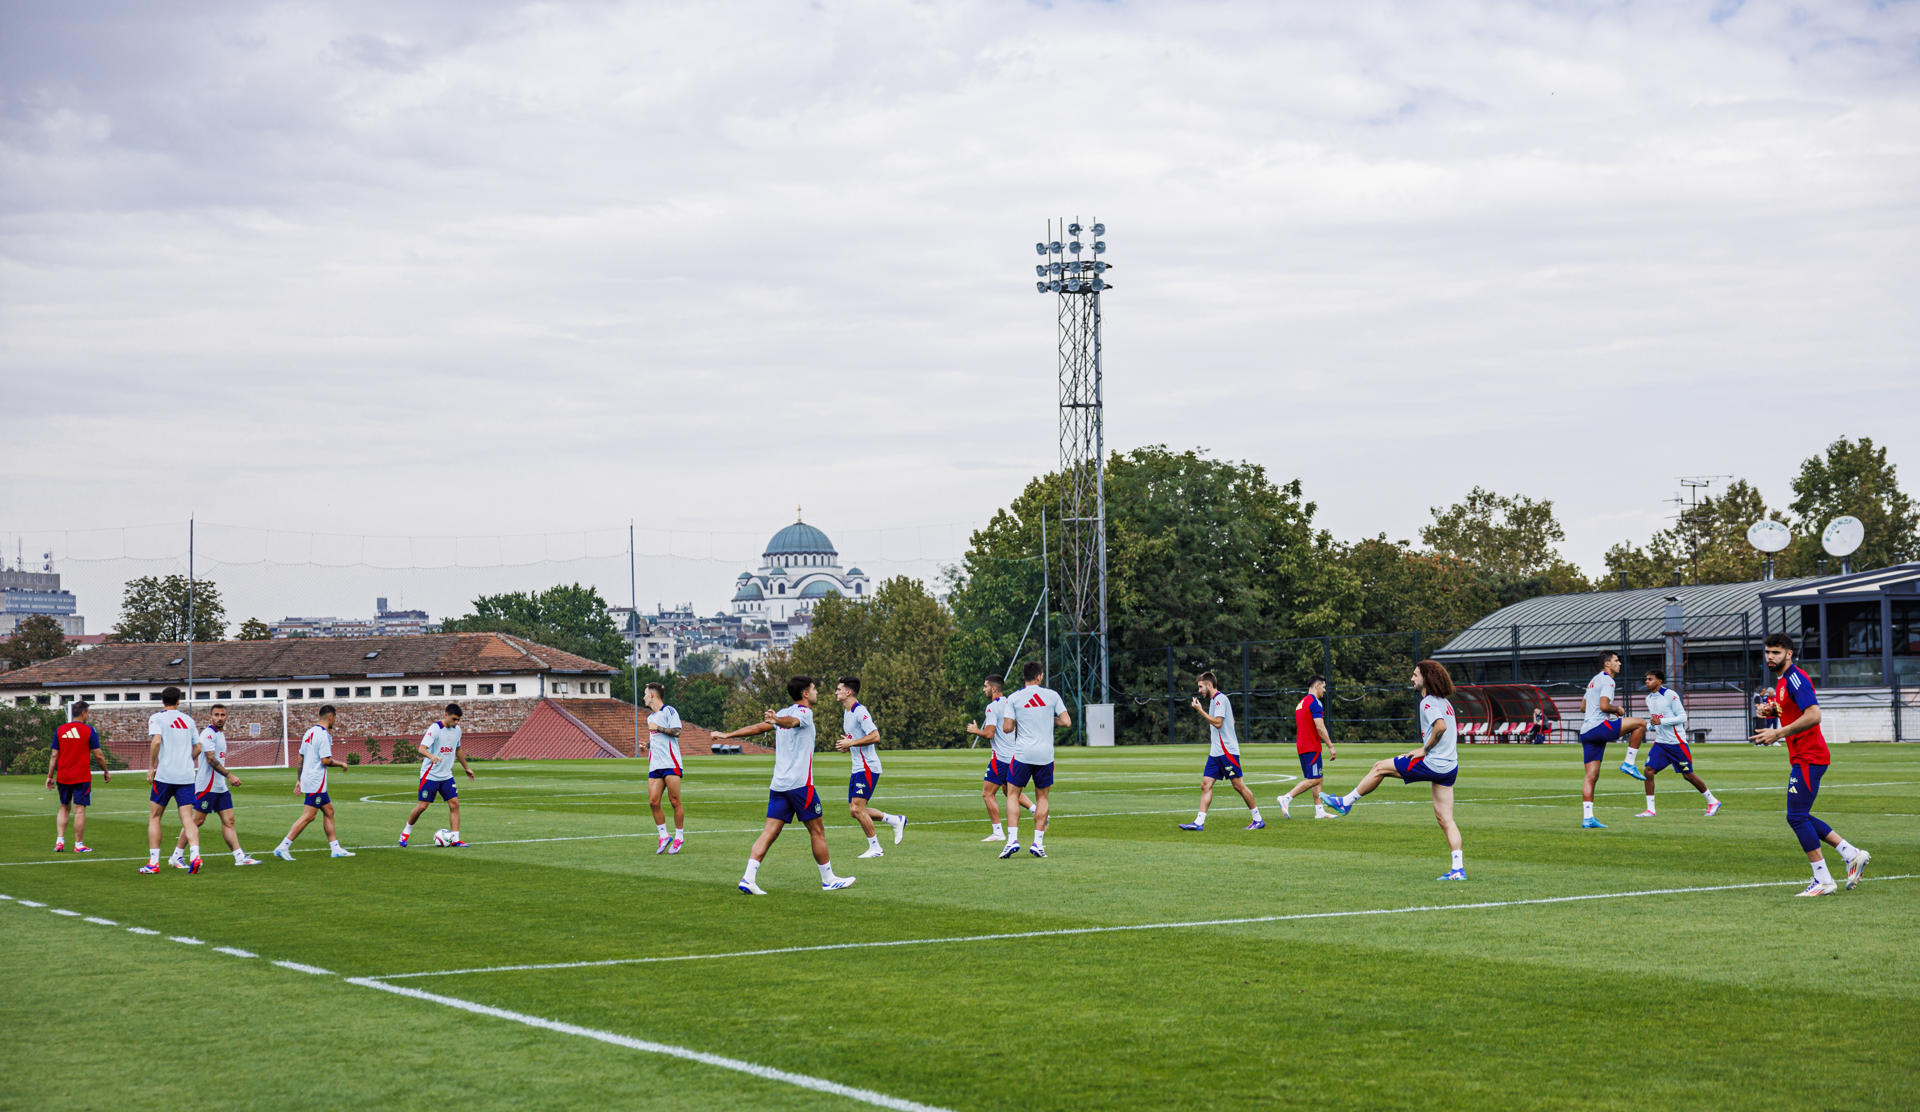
(443, 837)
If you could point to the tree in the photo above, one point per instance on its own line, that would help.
(154, 608)
(26, 728)
(1514, 541)
(572, 619)
(1708, 544)
(35, 639)
(904, 678)
(253, 629)
(1852, 478)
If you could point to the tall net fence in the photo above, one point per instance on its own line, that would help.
(257, 730)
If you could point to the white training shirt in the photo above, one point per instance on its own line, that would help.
(793, 751)
(1673, 716)
(1597, 687)
(1032, 710)
(858, 722)
(176, 731)
(1222, 737)
(315, 747)
(213, 743)
(443, 743)
(997, 713)
(1443, 755)
(663, 750)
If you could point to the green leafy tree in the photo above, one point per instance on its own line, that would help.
(905, 678)
(571, 618)
(1855, 478)
(154, 608)
(1513, 540)
(765, 687)
(253, 629)
(26, 728)
(1708, 544)
(694, 664)
(35, 639)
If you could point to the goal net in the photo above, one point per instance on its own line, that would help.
(256, 730)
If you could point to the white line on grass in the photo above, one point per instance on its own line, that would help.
(299, 968)
(102, 922)
(64, 911)
(31, 903)
(184, 940)
(1071, 931)
(235, 952)
(818, 1085)
(141, 930)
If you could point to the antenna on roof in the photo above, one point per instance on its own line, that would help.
(1689, 503)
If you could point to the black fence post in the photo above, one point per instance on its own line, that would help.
(1326, 659)
(1246, 686)
(1626, 666)
(1746, 672)
(1516, 652)
(1171, 696)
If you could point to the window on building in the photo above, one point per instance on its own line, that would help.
(113, 696)
(224, 695)
(23, 701)
(559, 689)
(388, 691)
(89, 698)
(249, 693)
(45, 700)
(154, 696)
(508, 688)
(342, 692)
(459, 689)
(274, 693)
(65, 699)
(316, 692)
(485, 689)
(363, 692)
(411, 689)
(436, 689)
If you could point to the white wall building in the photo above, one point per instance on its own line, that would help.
(799, 568)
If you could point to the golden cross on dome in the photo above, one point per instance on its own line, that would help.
(796, 514)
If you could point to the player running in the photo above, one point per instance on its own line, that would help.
(1223, 753)
(1605, 722)
(1309, 737)
(439, 747)
(316, 757)
(861, 738)
(1030, 715)
(1798, 709)
(1436, 761)
(664, 768)
(171, 754)
(76, 749)
(210, 794)
(1000, 760)
(1667, 719)
(790, 795)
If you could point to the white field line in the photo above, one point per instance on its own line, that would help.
(636, 798)
(64, 911)
(185, 941)
(102, 922)
(1065, 932)
(299, 968)
(235, 952)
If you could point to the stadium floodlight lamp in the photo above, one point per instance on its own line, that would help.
(1039, 248)
(1074, 247)
(1056, 269)
(1073, 267)
(1053, 286)
(1073, 229)
(1100, 266)
(1054, 247)
(1041, 286)
(1099, 230)
(1097, 285)
(1099, 246)
(1040, 270)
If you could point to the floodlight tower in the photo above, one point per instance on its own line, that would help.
(1074, 272)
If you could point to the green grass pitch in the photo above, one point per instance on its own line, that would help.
(1648, 996)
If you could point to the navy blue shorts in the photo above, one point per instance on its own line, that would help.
(77, 795)
(1593, 743)
(661, 773)
(316, 799)
(1666, 756)
(431, 790)
(861, 784)
(799, 803)
(210, 803)
(1417, 772)
(1803, 787)
(1223, 767)
(1041, 776)
(996, 771)
(168, 794)
(1310, 766)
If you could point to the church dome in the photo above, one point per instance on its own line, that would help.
(748, 592)
(819, 588)
(800, 539)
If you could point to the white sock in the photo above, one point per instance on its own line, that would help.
(1013, 832)
(407, 829)
(883, 816)
(999, 831)
(153, 857)
(1256, 815)
(1632, 755)
(1459, 859)
(1710, 800)
(239, 854)
(286, 843)
(1040, 838)
(175, 855)
(456, 833)
(1586, 808)
(679, 834)
(1200, 819)
(1820, 872)
(662, 828)
(1351, 798)
(333, 843)
(826, 872)
(873, 843)
(1847, 851)
(1649, 803)
(753, 868)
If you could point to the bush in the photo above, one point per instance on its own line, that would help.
(28, 727)
(404, 751)
(30, 762)
(353, 758)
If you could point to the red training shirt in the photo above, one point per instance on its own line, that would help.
(1793, 693)
(73, 745)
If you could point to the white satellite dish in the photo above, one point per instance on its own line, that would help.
(1769, 536)
(1842, 536)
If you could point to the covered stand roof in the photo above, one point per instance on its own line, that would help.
(1555, 624)
(1901, 579)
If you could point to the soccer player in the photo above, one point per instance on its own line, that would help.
(171, 754)
(1223, 753)
(1605, 722)
(316, 757)
(210, 794)
(1030, 715)
(1435, 762)
(664, 768)
(76, 748)
(1666, 718)
(790, 795)
(1000, 760)
(1798, 710)
(439, 747)
(861, 738)
(1309, 736)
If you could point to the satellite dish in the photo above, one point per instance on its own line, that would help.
(1842, 536)
(1768, 535)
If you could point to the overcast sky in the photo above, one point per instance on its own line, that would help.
(406, 271)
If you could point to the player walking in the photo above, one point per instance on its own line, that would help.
(790, 795)
(1223, 753)
(210, 794)
(1309, 736)
(1436, 761)
(861, 738)
(76, 748)
(664, 768)
(1030, 715)
(1605, 722)
(439, 747)
(1667, 718)
(171, 753)
(999, 760)
(1798, 709)
(316, 757)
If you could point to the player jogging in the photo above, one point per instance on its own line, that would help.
(439, 748)
(1223, 753)
(999, 759)
(1436, 761)
(210, 794)
(316, 757)
(1798, 709)
(1309, 737)
(790, 795)
(860, 738)
(171, 753)
(1666, 718)
(1605, 722)
(76, 749)
(664, 768)
(1031, 713)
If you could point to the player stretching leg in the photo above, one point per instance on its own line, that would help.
(1436, 762)
(439, 747)
(1604, 723)
(1309, 736)
(1798, 709)
(664, 768)
(1223, 753)
(210, 794)
(860, 737)
(76, 748)
(171, 753)
(790, 795)
(999, 761)
(316, 757)
(1666, 718)
(1031, 714)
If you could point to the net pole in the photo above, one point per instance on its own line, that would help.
(189, 610)
(633, 588)
(285, 758)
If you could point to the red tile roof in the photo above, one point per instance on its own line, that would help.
(576, 728)
(612, 721)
